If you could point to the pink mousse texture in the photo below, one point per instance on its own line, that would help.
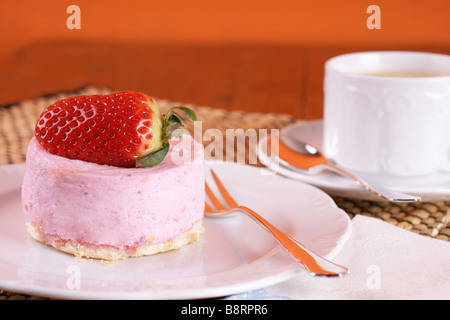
(119, 207)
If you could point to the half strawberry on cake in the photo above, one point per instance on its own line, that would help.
(100, 180)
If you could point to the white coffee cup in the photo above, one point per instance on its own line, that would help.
(388, 112)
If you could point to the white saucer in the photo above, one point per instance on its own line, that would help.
(234, 254)
(431, 187)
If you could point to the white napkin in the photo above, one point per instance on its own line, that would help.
(386, 262)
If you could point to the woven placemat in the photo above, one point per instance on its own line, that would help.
(17, 122)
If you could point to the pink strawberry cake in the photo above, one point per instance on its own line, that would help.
(106, 212)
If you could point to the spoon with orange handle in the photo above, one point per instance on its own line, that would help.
(305, 158)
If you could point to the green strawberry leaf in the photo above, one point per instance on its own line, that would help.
(173, 124)
(180, 115)
(154, 158)
(189, 113)
(173, 130)
(175, 120)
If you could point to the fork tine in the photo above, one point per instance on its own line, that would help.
(224, 191)
(213, 198)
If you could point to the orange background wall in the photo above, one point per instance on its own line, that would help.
(315, 22)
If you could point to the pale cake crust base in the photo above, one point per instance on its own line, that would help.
(111, 253)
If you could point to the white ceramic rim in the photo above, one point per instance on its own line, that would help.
(331, 65)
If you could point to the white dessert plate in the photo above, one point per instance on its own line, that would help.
(432, 187)
(233, 255)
